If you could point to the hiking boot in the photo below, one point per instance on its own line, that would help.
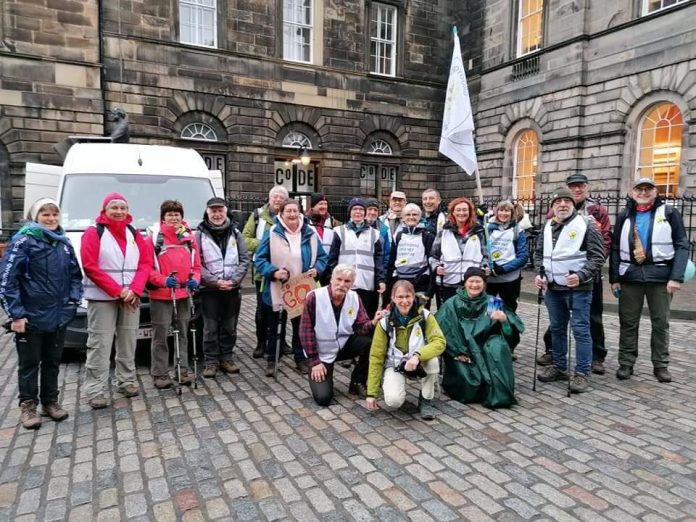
(29, 418)
(229, 367)
(259, 351)
(551, 374)
(97, 403)
(580, 383)
(598, 367)
(210, 371)
(286, 348)
(303, 367)
(545, 359)
(662, 375)
(186, 378)
(129, 390)
(54, 411)
(270, 368)
(359, 389)
(162, 382)
(624, 372)
(425, 406)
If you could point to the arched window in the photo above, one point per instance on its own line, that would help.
(525, 165)
(659, 147)
(198, 131)
(297, 139)
(379, 147)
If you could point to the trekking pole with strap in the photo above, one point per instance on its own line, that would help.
(177, 350)
(540, 299)
(282, 318)
(193, 339)
(570, 332)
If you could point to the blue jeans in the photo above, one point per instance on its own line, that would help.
(558, 303)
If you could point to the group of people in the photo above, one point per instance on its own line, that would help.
(375, 277)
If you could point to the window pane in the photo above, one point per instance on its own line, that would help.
(383, 39)
(526, 151)
(297, 30)
(660, 140)
(198, 21)
(529, 26)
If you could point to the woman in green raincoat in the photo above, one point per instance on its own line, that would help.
(478, 360)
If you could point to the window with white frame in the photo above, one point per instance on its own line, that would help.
(650, 6)
(525, 164)
(297, 139)
(199, 132)
(530, 24)
(297, 30)
(383, 39)
(379, 147)
(660, 147)
(198, 22)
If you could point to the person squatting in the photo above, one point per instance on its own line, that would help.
(374, 278)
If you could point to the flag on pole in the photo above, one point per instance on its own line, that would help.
(457, 138)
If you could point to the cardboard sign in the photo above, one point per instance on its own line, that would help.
(294, 292)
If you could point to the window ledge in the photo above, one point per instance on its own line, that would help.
(526, 67)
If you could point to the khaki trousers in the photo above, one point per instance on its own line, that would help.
(394, 384)
(106, 319)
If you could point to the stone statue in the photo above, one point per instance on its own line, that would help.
(119, 132)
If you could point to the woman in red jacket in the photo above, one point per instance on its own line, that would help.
(116, 262)
(176, 271)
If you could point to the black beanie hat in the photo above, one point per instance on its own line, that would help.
(316, 198)
(474, 271)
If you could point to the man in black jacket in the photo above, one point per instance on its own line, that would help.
(570, 250)
(649, 253)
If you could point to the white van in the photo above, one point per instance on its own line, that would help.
(145, 174)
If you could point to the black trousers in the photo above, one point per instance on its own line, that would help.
(443, 293)
(599, 350)
(220, 311)
(356, 346)
(39, 353)
(271, 319)
(259, 316)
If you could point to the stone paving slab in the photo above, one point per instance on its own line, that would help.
(248, 448)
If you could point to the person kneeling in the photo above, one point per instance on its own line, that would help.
(334, 327)
(408, 342)
(478, 360)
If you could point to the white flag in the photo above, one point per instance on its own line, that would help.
(457, 138)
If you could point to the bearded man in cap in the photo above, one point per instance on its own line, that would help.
(392, 218)
(649, 254)
(359, 245)
(578, 184)
(571, 253)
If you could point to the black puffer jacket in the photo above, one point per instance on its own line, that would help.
(648, 271)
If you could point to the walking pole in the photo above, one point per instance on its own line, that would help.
(570, 332)
(282, 318)
(177, 352)
(540, 299)
(193, 340)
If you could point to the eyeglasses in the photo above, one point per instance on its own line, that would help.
(644, 189)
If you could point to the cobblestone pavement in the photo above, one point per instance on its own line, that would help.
(248, 448)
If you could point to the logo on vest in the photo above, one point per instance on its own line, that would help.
(496, 255)
(572, 234)
(661, 219)
(351, 311)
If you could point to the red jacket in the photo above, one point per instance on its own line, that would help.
(174, 260)
(89, 254)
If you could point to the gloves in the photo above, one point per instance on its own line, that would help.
(498, 269)
(171, 282)
(192, 285)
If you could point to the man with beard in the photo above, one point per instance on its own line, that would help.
(224, 263)
(261, 220)
(392, 218)
(649, 255)
(571, 252)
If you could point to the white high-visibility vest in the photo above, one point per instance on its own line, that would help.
(416, 341)
(566, 255)
(120, 267)
(359, 252)
(456, 260)
(212, 260)
(661, 245)
(332, 337)
(410, 256)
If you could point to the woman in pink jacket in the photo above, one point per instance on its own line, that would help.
(116, 262)
(176, 271)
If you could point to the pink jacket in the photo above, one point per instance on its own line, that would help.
(176, 255)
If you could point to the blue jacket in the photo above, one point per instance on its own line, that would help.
(263, 256)
(521, 251)
(41, 279)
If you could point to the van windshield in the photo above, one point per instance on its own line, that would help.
(82, 196)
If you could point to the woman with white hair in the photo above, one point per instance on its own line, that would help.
(40, 288)
(408, 260)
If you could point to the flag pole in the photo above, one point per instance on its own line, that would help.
(479, 189)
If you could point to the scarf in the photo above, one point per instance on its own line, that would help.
(40, 232)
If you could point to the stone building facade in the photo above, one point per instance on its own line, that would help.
(246, 83)
(607, 89)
